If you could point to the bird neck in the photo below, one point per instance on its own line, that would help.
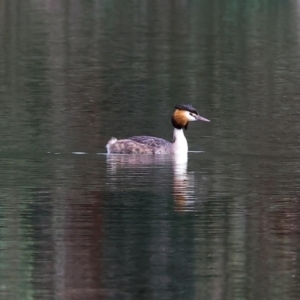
(180, 145)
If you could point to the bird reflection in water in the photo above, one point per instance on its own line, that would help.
(183, 185)
(161, 170)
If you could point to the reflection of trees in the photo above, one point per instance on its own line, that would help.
(248, 229)
(25, 218)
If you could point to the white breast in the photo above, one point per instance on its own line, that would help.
(180, 145)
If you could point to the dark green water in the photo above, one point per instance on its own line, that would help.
(76, 224)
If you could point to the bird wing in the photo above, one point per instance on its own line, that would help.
(150, 141)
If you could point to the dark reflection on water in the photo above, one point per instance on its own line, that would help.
(224, 225)
(111, 228)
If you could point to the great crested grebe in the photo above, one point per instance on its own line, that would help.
(181, 117)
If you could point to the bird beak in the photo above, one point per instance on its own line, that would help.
(199, 118)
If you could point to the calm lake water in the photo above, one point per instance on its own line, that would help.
(78, 224)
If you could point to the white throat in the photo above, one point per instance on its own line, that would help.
(180, 145)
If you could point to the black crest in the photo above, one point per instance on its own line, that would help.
(187, 107)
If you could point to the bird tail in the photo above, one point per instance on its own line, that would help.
(110, 142)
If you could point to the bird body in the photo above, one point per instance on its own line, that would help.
(154, 145)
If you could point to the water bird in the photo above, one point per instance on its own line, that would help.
(183, 114)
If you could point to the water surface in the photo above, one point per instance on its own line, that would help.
(78, 224)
